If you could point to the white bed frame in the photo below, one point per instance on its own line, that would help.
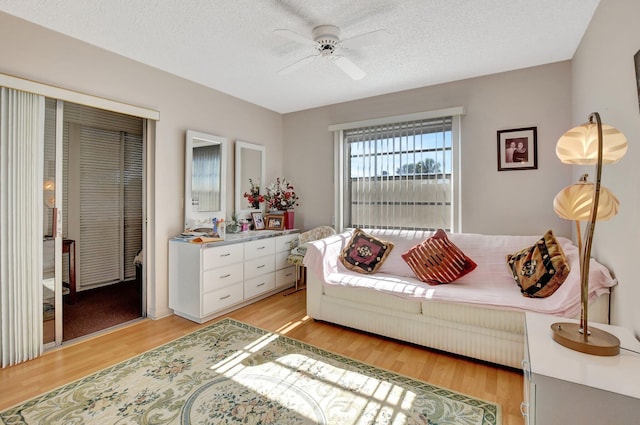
(488, 334)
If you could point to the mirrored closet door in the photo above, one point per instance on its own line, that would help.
(51, 230)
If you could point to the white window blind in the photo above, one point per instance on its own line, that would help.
(21, 158)
(400, 174)
(101, 238)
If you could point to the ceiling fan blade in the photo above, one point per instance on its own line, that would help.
(349, 68)
(291, 35)
(296, 65)
(365, 39)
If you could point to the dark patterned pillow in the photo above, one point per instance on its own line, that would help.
(365, 253)
(539, 270)
(437, 260)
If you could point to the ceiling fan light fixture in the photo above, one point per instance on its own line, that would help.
(327, 38)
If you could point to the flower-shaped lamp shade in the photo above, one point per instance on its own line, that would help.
(574, 203)
(580, 145)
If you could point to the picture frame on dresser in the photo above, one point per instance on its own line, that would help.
(275, 221)
(258, 220)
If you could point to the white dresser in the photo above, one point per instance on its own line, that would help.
(563, 386)
(208, 280)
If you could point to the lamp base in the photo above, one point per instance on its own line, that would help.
(598, 342)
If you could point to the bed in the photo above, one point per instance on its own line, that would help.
(480, 315)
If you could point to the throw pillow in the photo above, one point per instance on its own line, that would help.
(365, 253)
(539, 270)
(437, 260)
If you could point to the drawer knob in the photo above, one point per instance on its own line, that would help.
(226, 254)
(260, 266)
(225, 297)
(260, 284)
(261, 247)
(225, 276)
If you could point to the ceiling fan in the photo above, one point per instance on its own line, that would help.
(327, 42)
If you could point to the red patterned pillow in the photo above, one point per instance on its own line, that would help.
(437, 260)
(365, 253)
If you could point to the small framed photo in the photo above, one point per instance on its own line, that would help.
(518, 149)
(275, 221)
(258, 220)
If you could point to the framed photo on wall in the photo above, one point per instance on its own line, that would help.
(275, 221)
(518, 149)
(258, 221)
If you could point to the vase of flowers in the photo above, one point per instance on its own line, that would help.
(253, 195)
(281, 196)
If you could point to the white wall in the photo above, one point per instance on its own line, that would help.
(32, 52)
(506, 202)
(604, 81)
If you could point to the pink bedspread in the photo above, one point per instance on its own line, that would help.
(489, 284)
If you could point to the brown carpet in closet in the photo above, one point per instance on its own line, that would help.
(101, 308)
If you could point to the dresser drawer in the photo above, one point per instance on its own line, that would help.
(285, 277)
(283, 243)
(259, 266)
(222, 255)
(259, 248)
(259, 285)
(222, 276)
(281, 260)
(222, 298)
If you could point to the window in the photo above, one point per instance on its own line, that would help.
(401, 173)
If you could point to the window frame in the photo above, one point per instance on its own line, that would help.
(340, 162)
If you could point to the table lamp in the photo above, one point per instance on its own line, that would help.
(588, 144)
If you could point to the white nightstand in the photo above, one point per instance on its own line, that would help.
(562, 386)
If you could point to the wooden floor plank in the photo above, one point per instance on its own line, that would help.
(285, 314)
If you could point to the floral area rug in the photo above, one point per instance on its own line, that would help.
(234, 373)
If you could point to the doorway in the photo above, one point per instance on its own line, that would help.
(102, 171)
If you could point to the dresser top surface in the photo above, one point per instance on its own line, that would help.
(233, 238)
(611, 373)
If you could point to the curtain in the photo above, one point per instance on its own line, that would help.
(21, 235)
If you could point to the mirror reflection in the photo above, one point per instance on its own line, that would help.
(205, 176)
(250, 168)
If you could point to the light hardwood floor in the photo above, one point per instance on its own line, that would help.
(276, 313)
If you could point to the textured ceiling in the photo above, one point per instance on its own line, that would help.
(230, 45)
